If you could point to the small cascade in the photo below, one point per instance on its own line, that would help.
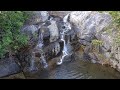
(65, 53)
(66, 28)
(32, 64)
(40, 48)
(40, 45)
(40, 41)
(43, 61)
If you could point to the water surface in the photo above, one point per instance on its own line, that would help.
(78, 69)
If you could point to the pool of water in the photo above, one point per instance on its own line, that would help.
(78, 69)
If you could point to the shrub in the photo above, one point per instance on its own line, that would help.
(10, 37)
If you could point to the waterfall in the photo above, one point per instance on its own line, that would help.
(40, 41)
(40, 44)
(64, 48)
(32, 63)
(45, 65)
(40, 47)
(66, 28)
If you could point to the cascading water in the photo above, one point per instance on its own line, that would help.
(32, 64)
(64, 49)
(40, 41)
(43, 61)
(66, 28)
(40, 45)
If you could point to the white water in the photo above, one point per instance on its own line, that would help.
(67, 27)
(32, 64)
(40, 41)
(45, 65)
(40, 44)
(64, 49)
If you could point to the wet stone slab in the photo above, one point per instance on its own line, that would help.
(15, 76)
(8, 67)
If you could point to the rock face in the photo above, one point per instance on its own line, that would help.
(93, 25)
(61, 14)
(15, 76)
(37, 17)
(8, 67)
(31, 31)
(89, 23)
(54, 32)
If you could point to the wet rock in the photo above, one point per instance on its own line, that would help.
(79, 17)
(32, 32)
(37, 17)
(15, 76)
(29, 29)
(8, 67)
(44, 16)
(52, 50)
(54, 32)
(88, 20)
(46, 35)
(117, 54)
(56, 49)
(85, 56)
(110, 48)
(33, 61)
(114, 63)
(107, 54)
(59, 13)
(89, 23)
(93, 57)
(106, 39)
(84, 42)
(72, 40)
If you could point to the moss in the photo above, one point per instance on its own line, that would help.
(96, 42)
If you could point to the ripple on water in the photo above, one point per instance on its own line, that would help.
(80, 69)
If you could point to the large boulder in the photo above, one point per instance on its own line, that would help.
(37, 17)
(45, 39)
(54, 32)
(89, 23)
(8, 67)
(107, 40)
(61, 14)
(94, 25)
(32, 32)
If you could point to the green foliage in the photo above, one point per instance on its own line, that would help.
(97, 42)
(10, 37)
(116, 16)
(116, 25)
(116, 22)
